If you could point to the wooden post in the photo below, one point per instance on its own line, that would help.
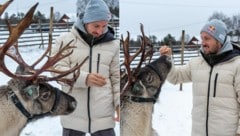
(182, 53)
(50, 29)
(40, 30)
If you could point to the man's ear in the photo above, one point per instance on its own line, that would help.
(31, 91)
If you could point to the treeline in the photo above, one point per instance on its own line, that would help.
(40, 17)
(16, 17)
(167, 40)
(232, 23)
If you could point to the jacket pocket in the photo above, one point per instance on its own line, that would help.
(215, 85)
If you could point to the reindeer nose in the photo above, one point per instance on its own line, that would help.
(137, 89)
(73, 104)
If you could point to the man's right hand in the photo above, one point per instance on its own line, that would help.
(165, 50)
(94, 79)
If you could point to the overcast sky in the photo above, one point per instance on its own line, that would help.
(63, 6)
(161, 17)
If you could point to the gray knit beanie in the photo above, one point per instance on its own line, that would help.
(96, 10)
(217, 29)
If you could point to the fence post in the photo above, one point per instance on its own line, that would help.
(50, 29)
(41, 34)
(182, 54)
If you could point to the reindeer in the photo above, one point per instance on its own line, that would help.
(28, 95)
(140, 88)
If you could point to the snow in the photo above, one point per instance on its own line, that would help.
(171, 117)
(172, 114)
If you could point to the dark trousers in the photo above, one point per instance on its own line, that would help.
(106, 132)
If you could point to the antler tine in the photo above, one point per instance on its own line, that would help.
(49, 41)
(52, 60)
(143, 45)
(34, 74)
(4, 6)
(14, 33)
(127, 63)
(75, 70)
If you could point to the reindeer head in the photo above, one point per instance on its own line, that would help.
(40, 99)
(29, 88)
(143, 84)
(150, 78)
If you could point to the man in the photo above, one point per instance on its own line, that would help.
(216, 83)
(98, 87)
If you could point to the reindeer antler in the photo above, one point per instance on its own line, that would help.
(34, 74)
(4, 6)
(131, 74)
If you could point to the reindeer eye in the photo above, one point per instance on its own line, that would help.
(45, 96)
(148, 78)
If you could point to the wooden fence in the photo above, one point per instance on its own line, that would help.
(37, 34)
(189, 52)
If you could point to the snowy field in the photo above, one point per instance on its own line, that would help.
(172, 114)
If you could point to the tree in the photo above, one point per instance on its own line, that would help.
(38, 16)
(6, 16)
(20, 15)
(112, 4)
(13, 18)
(114, 11)
(81, 4)
(223, 17)
(153, 38)
(233, 23)
(169, 40)
(187, 38)
(57, 16)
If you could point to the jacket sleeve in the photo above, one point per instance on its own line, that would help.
(180, 74)
(237, 88)
(115, 75)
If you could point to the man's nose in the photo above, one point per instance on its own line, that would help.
(100, 31)
(203, 42)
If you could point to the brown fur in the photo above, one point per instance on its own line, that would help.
(11, 118)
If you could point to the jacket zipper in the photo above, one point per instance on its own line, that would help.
(208, 95)
(98, 61)
(88, 100)
(215, 85)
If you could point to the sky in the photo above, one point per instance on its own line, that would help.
(161, 17)
(63, 6)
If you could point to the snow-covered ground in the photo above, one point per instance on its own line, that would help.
(172, 114)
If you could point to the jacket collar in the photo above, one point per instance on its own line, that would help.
(230, 51)
(91, 41)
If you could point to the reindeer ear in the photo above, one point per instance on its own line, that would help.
(31, 91)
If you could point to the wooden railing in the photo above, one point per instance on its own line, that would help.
(190, 51)
(37, 34)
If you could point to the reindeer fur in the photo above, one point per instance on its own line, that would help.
(11, 118)
(136, 117)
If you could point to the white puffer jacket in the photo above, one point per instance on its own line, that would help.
(216, 92)
(96, 105)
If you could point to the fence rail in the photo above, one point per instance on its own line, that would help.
(189, 52)
(37, 34)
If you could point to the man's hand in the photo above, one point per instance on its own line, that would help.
(118, 114)
(94, 79)
(238, 135)
(165, 50)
